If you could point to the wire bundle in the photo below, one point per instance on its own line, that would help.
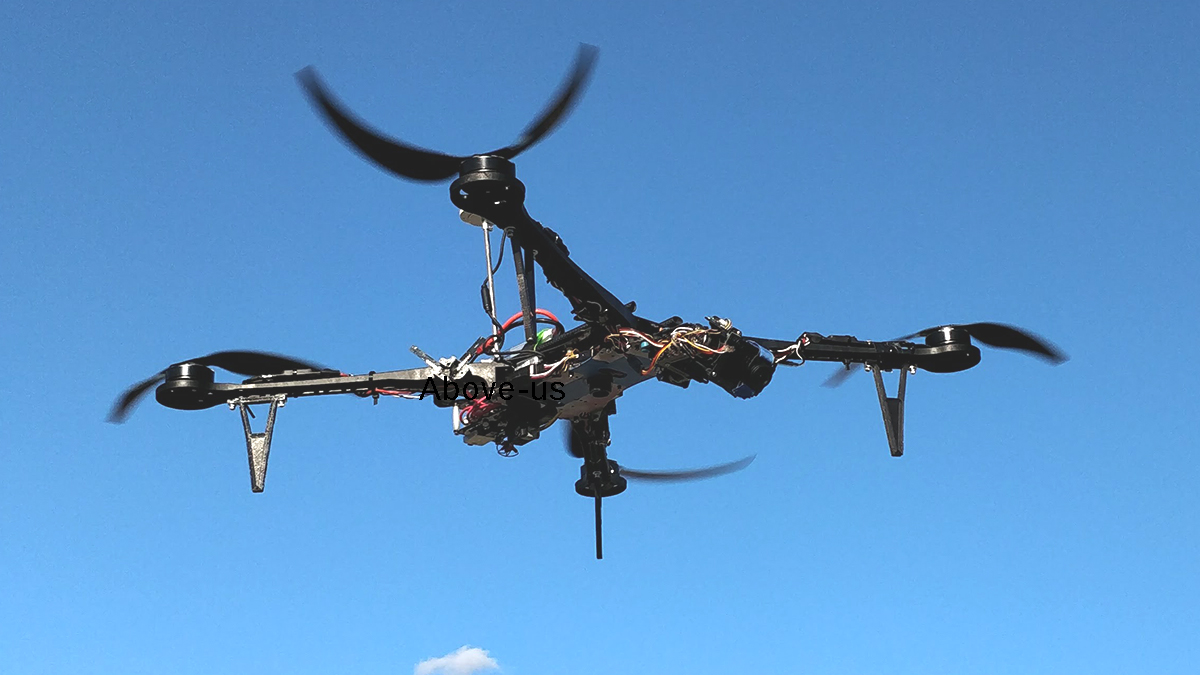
(571, 356)
(683, 335)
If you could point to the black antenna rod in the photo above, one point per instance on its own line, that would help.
(599, 531)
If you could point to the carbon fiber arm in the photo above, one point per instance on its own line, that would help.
(193, 393)
(887, 355)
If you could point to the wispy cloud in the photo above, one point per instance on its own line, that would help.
(465, 661)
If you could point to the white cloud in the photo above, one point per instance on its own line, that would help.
(465, 661)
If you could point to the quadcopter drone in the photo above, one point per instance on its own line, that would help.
(509, 395)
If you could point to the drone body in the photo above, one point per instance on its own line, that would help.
(510, 396)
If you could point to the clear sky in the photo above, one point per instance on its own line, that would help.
(166, 191)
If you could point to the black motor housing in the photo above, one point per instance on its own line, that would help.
(609, 484)
(951, 350)
(745, 370)
(188, 386)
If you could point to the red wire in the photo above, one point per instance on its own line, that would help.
(470, 411)
(513, 319)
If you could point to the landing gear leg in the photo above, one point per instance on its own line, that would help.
(893, 411)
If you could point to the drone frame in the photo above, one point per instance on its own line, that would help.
(488, 194)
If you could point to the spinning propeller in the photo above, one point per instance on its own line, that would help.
(420, 164)
(250, 364)
(998, 335)
(601, 477)
(575, 448)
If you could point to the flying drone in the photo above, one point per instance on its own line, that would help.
(508, 395)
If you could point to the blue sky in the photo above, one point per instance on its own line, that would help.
(166, 191)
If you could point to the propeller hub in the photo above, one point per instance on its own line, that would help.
(947, 335)
(489, 163)
(610, 482)
(484, 183)
(187, 387)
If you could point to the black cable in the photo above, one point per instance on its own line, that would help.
(486, 297)
(511, 358)
(503, 240)
(496, 342)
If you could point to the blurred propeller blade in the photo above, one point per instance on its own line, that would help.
(838, 378)
(239, 362)
(402, 159)
(253, 363)
(575, 448)
(1004, 336)
(568, 94)
(689, 474)
(572, 443)
(124, 404)
(419, 164)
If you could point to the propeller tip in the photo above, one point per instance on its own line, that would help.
(689, 474)
(588, 51)
(838, 378)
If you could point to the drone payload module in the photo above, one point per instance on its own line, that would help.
(508, 396)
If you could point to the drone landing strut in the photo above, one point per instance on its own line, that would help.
(258, 444)
(893, 410)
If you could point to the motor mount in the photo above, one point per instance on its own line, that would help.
(188, 386)
(608, 484)
(745, 370)
(949, 350)
(486, 180)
